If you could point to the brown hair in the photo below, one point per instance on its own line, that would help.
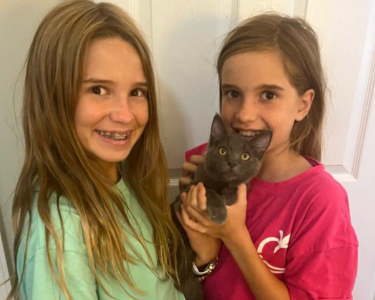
(298, 46)
(55, 162)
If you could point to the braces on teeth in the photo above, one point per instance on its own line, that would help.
(115, 136)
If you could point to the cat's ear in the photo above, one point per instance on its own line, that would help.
(261, 142)
(218, 130)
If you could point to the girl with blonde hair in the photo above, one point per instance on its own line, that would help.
(90, 208)
(290, 236)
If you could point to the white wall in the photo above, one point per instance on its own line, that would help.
(184, 37)
(18, 22)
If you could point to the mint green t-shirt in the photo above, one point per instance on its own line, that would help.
(39, 284)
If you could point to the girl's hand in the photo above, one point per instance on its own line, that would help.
(205, 247)
(196, 218)
(236, 237)
(188, 170)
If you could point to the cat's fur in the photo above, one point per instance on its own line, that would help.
(221, 173)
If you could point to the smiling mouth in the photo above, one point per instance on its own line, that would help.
(114, 135)
(249, 133)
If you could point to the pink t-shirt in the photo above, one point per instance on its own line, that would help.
(301, 229)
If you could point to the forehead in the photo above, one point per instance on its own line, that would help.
(265, 67)
(109, 57)
(102, 46)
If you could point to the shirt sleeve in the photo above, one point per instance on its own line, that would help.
(323, 255)
(327, 274)
(39, 284)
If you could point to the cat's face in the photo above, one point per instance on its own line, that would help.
(232, 157)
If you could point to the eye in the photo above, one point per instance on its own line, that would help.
(98, 90)
(268, 96)
(245, 156)
(232, 94)
(222, 151)
(138, 93)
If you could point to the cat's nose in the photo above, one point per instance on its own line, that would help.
(231, 164)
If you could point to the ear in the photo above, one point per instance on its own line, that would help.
(217, 129)
(261, 142)
(305, 104)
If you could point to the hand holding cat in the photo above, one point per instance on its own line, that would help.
(195, 216)
(205, 247)
(188, 170)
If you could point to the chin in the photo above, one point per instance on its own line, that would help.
(225, 177)
(112, 157)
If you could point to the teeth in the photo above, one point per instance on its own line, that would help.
(249, 133)
(118, 136)
(114, 136)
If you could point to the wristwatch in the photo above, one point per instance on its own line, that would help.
(207, 270)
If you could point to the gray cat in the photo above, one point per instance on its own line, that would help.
(230, 159)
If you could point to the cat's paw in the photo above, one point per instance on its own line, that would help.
(217, 214)
(216, 207)
(230, 195)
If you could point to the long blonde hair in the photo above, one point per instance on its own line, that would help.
(298, 45)
(55, 162)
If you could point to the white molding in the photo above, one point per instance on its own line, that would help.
(364, 96)
(370, 93)
(234, 16)
(370, 96)
(173, 182)
(300, 8)
(134, 9)
(340, 173)
(143, 14)
(227, 16)
(223, 17)
(150, 28)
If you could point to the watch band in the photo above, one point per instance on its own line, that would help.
(208, 269)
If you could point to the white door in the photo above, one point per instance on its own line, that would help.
(184, 37)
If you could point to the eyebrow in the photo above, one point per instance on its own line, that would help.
(259, 87)
(228, 86)
(269, 87)
(96, 80)
(104, 81)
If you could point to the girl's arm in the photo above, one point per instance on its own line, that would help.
(234, 233)
(205, 247)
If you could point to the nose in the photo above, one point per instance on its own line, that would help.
(249, 110)
(122, 110)
(231, 164)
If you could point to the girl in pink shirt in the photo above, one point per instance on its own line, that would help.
(290, 236)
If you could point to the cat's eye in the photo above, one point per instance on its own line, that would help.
(245, 156)
(222, 151)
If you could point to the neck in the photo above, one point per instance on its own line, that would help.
(111, 170)
(282, 165)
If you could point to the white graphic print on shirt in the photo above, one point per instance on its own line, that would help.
(283, 242)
